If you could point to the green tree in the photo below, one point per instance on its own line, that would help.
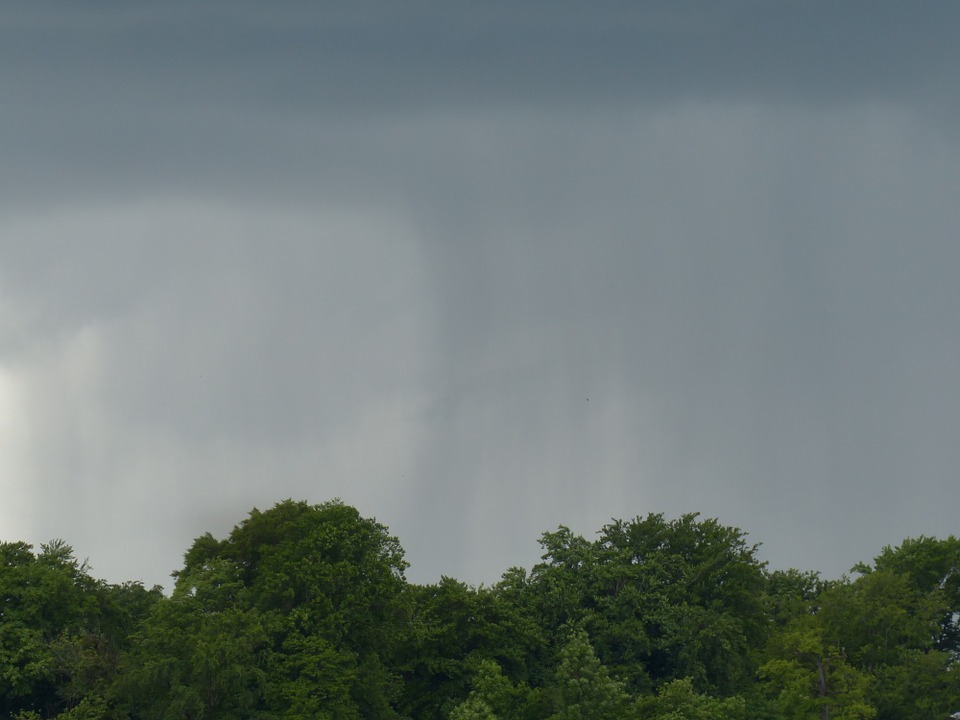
(493, 697)
(298, 613)
(808, 677)
(678, 700)
(473, 709)
(860, 648)
(930, 566)
(60, 630)
(583, 688)
(197, 654)
(455, 628)
(891, 630)
(790, 594)
(661, 599)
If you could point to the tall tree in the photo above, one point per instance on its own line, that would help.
(61, 631)
(929, 565)
(809, 677)
(661, 600)
(454, 629)
(298, 613)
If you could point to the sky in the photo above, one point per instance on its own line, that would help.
(479, 270)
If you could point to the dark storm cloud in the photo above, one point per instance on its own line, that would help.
(480, 270)
(175, 94)
(351, 57)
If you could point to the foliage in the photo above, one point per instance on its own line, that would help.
(61, 631)
(454, 629)
(303, 611)
(661, 600)
(929, 566)
(809, 677)
(678, 700)
(297, 614)
(583, 688)
(494, 696)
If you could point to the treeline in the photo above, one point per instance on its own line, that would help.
(303, 612)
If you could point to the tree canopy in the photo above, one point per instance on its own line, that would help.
(304, 611)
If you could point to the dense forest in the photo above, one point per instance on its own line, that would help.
(303, 611)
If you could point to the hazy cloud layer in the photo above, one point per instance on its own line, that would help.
(480, 272)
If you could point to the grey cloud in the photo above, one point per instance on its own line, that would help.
(745, 328)
(176, 68)
(342, 55)
(481, 271)
(214, 321)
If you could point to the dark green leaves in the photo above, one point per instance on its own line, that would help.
(292, 615)
(303, 612)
